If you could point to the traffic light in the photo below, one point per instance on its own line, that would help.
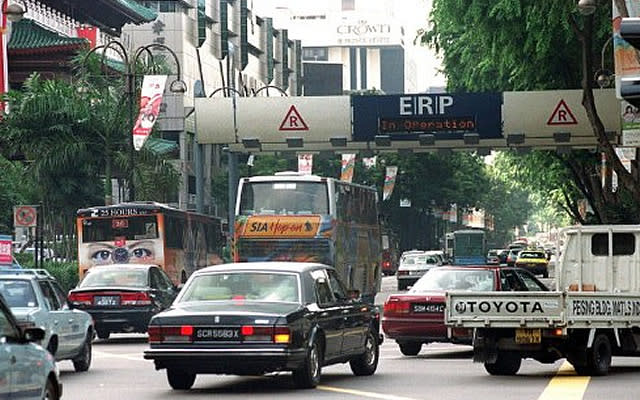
(630, 86)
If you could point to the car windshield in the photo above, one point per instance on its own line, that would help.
(121, 277)
(455, 279)
(254, 286)
(18, 293)
(531, 254)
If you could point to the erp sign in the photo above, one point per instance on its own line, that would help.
(447, 116)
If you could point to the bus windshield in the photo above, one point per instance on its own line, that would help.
(284, 197)
(128, 228)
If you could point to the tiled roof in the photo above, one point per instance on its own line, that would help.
(145, 14)
(28, 36)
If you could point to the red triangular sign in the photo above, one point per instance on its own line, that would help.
(562, 115)
(293, 121)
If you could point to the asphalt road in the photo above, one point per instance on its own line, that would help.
(439, 372)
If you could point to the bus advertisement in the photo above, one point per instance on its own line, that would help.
(292, 217)
(148, 233)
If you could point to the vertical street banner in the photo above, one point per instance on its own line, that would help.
(389, 182)
(150, 100)
(370, 162)
(630, 122)
(453, 213)
(6, 256)
(348, 165)
(305, 163)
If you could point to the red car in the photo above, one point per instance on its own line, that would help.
(417, 317)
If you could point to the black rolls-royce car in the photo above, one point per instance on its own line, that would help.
(255, 318)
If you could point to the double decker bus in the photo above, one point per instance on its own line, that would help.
(148, 233)
(292, 217)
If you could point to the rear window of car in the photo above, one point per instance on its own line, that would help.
(455, 279)
(493, 253)
(121, 277)
(532, 254)
(18, 293)
(253, 286)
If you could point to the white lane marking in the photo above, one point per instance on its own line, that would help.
(130, 356)
(360, 393)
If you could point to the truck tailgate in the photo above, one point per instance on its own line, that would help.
(504, 309)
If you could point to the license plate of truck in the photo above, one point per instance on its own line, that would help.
(528, 336)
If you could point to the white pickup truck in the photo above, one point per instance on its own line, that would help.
(592, 315)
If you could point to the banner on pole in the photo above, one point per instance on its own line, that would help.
(369, 162)
(6, 248)
(348, 164)
(150, 100)
(305, 163)
(389, 182)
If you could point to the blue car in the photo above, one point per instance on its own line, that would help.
(27, 370)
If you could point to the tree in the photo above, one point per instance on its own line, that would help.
(534, 45)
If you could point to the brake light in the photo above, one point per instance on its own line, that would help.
(162, 334)
(395, 306)
(386, 264)
(278, 334)
(81, 299)
(135, 299)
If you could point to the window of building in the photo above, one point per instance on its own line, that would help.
(315, 54)
(348, 5)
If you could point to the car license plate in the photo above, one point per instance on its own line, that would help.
(106, 300)
(427, 308)
(416, 272)
(217, 334)
(528, 336)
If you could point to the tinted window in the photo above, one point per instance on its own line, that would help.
(455, 279)
(250, 286)
(7, 330)
(49, 295)
(511, 281)
(62, 298)
(284, 198)
(129, 228)
(336, 286)
(624, 244)
(530, 282)
(323, 292)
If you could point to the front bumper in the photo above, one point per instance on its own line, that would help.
(227, 360)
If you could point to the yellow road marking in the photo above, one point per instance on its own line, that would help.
(360, 393)
(566, 385)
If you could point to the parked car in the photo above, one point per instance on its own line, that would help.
(36, 299)
(413, 266)
(27, 370)
(535, 262)
(512, 256)
(255, 318)
(123, 297)
(417, 317)
(493, 258)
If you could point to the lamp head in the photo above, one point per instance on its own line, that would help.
(15, 12)
(587, 7)
(178, 86)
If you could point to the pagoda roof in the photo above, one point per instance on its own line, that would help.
(108, 15)
(29, 37)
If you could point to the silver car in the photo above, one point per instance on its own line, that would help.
(413, 266)
(27, 371)
(36, 299)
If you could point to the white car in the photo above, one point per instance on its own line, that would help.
(36, 299)
(413, 266)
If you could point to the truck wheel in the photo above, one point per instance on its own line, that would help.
(103, 334)
(507, 363)
(179, 380)
(308, 376)
(367, 362)
(410, 349)
(598, 358)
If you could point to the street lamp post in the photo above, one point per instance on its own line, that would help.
(130, 74)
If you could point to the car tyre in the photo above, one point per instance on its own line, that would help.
(308, 376)
(103, 334)
(83, 361)
(50, 391)
(507, 363)
(367, 363)
(410, 349)
(179, 380)
(598, 358)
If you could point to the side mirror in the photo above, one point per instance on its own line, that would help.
(33, 334)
